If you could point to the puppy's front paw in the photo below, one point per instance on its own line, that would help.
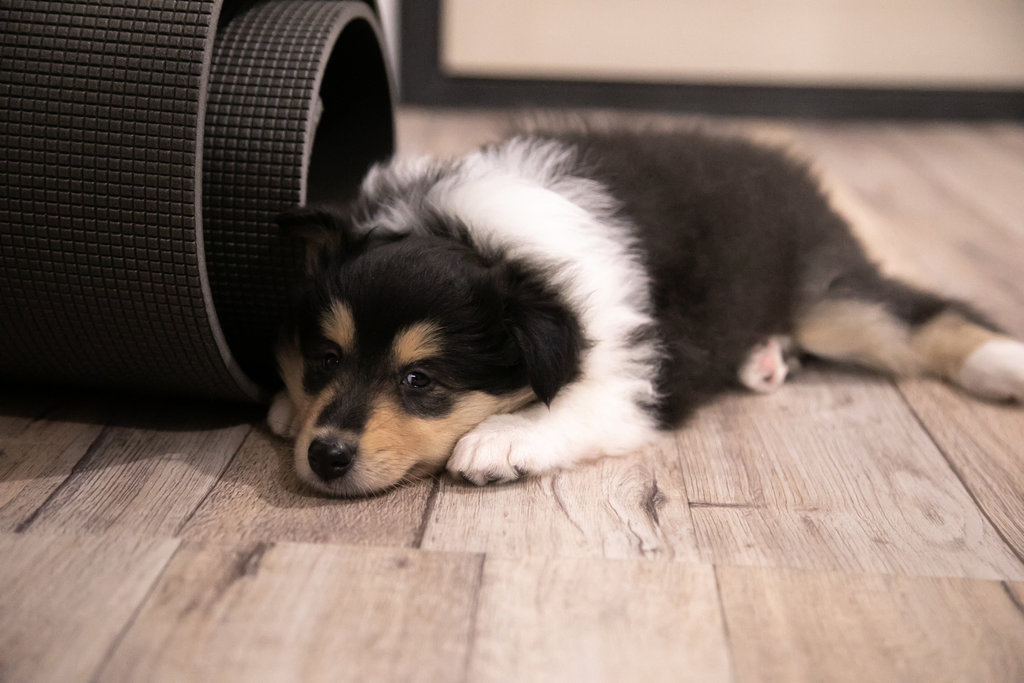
(502, 448)
(281, 416)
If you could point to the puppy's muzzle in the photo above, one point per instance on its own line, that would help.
(330, 459)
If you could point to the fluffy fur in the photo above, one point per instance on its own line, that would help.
(563, 296)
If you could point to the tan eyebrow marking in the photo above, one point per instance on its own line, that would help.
(339, 326)
(416, 342)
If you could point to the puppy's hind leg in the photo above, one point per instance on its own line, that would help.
(909, 332)
(980, 360)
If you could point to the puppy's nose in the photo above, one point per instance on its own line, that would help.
(330, 459)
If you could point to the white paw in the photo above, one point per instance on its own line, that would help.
(502, 448)
(995, 370)
(764, 369)
(281, 416)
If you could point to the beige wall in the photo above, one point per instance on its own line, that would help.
(927, 43)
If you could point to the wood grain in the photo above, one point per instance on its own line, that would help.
(919, 227)
(965, 180)
(984, 443)
(978, 170)
(1008, 135)
(301, 612)
(833, 472)
(18, 409)
(259, 498)
(570, 619)
(64, 599)
(41, 457)
(147, 472)
(617, 507)
(860, 530)
(791, 626)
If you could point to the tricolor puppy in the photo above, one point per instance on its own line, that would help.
(559, 297)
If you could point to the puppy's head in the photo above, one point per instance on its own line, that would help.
(398, 346)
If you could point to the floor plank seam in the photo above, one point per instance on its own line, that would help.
(684, 490)
(227, 465)
(474, 613)
(701, 504)
(963, 481)
(428, 510)
(1013, 597)
(725, 624)
(116, 642)
(83, 462)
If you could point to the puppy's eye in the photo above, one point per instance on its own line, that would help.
(416, 379)
(330, 360)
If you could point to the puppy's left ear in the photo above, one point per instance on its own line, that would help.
(547, 333)
(324, 230)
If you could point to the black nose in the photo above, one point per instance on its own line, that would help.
(330, 459)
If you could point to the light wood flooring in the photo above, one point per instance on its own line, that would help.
(847, 528)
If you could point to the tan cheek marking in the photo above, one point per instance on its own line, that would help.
(290, 366)
(395, 442)
(416, 342)
(339, 326)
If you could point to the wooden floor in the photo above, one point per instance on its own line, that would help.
(848, 528)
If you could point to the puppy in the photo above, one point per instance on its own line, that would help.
(563, 296)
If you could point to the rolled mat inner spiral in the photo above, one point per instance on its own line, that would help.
(145, 149)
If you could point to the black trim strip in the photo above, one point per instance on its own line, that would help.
(423, 83)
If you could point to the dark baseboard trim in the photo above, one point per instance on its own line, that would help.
(423, 83)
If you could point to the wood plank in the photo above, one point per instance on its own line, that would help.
(960, 184)
(572, 619)
(260, 499)
(617, 507)
(66, 598)
(793, 626)
(968, 162)
(42, 456)
(835, 472)
(984, 443)
(300, 612)
(149, 470)
(1009, 135)
(920, 230)
(18, 409)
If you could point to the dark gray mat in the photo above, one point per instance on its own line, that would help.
(144, 152)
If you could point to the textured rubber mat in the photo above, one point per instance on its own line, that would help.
(144, 150)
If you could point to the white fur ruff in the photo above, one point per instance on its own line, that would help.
(520, 199)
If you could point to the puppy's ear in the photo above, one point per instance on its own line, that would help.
(324, 230)
(547, 333)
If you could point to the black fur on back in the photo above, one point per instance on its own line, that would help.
(734, 235)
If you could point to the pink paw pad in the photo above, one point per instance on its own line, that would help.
(764, 369)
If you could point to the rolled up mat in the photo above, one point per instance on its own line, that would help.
(144, 150)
